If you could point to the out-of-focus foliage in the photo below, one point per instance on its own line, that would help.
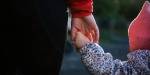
(115, 15)
(115, 8)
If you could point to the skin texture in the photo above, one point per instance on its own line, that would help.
(87, 26)
(83, 20)
(81, 40)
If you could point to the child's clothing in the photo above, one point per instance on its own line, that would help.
(100, 63)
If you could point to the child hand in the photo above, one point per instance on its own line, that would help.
(81, 40)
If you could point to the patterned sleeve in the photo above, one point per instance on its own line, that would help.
(97, 62)
(100, 63)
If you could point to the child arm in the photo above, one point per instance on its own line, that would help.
(100, 63)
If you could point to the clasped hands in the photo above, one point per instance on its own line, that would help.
(84, 30)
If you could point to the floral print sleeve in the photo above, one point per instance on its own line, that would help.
(100, 63)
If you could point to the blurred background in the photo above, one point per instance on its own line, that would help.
(113, 18)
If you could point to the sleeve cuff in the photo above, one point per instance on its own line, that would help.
(81, 14)
(91, 47)
(81, 8)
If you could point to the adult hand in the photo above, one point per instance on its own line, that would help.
(87, 26)
(81, 40)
